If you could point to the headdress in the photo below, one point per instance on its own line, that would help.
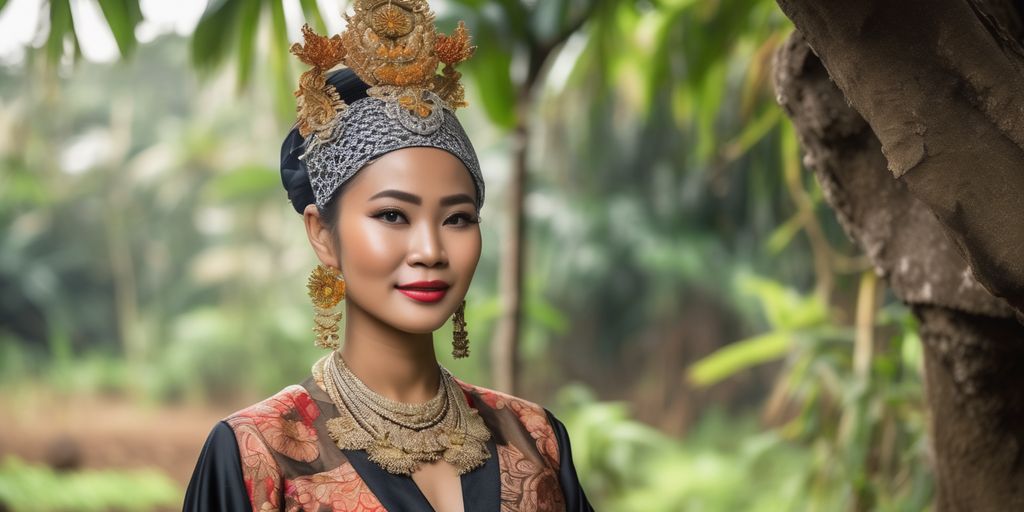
(393, 47)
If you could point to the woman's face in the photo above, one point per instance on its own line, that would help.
(409, 238)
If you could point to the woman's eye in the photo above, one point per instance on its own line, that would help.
(390, 216)
(462, 219)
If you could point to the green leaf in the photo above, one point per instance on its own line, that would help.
(709, 104)
(211, 41)
(2, 4)
(122, 17)
(783, 234)
(735, 357)
(753, 132)
(284, 100)
(658, 70)
(310, 8)
(490, 67)
(249, 20)
(61, 24)
(784, 307)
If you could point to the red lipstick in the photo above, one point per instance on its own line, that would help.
(424, 291)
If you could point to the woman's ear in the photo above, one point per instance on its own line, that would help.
(320, 236)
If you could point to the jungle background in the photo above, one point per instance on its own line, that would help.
(688, 304)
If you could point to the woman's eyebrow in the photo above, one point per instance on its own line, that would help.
(456, 199)
(398, 195)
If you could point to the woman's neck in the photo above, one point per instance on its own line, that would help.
(395, 364)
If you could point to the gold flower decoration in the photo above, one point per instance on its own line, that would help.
(392, 21)
(317, 50)
(318, 102)
(393, 46)
(326, 288)
(455, 48)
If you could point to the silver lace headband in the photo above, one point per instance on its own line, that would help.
(370, 127)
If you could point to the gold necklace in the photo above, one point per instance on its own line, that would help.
(398, 436)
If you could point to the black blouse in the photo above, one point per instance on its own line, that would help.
(217, 483)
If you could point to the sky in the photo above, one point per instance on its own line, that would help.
(25, 23)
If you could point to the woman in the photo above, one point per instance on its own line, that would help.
(390, 191)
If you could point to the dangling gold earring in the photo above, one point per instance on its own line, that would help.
(460, 338)
(326, 289)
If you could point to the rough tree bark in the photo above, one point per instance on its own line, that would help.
(917, 143)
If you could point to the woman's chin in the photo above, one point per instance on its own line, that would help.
(419, 322)
(419, 327)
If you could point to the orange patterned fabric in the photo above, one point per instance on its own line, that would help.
(290, 463)
(525, 484)
(531, 415)
(340, 489)
(275, 437)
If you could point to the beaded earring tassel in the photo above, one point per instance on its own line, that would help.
(460, 338)
(326, 289)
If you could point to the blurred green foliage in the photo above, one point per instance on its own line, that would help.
(865, 431)
(26, 487)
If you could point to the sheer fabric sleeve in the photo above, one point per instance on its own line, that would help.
(217, 483)
(575, 498)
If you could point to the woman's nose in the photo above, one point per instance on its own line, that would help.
(426, 247)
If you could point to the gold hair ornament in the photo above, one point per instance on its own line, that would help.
(393, 47)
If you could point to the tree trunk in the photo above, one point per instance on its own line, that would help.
(921, 229)
(505, 343)
(940, 84)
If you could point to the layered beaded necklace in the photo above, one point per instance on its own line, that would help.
(399, 436)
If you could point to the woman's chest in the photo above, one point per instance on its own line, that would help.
(289, 462)
(509, 481)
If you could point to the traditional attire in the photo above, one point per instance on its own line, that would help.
(284, 453)
(277, 455)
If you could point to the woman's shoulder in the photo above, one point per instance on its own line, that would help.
(293, 402)
(539, 423)
(499, 400)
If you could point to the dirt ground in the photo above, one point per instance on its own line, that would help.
(105, 432)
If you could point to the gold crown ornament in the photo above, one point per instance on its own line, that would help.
(393, 47)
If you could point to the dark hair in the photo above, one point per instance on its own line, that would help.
(294, 174)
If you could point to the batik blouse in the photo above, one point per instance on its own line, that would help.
(276, 455)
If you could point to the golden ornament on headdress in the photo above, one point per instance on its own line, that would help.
(318, 102)
(393, 47)
(452, 50)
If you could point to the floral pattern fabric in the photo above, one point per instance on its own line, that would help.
(289, 462)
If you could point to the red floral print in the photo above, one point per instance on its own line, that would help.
(526, 485)
(339, 489)
(291, 438)
(531, 415)
(261, 473)
(280, 453)
(285, 422)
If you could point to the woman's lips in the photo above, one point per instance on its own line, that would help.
(424, 291)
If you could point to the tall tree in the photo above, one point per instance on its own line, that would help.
(911, 117)
(531, 33)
